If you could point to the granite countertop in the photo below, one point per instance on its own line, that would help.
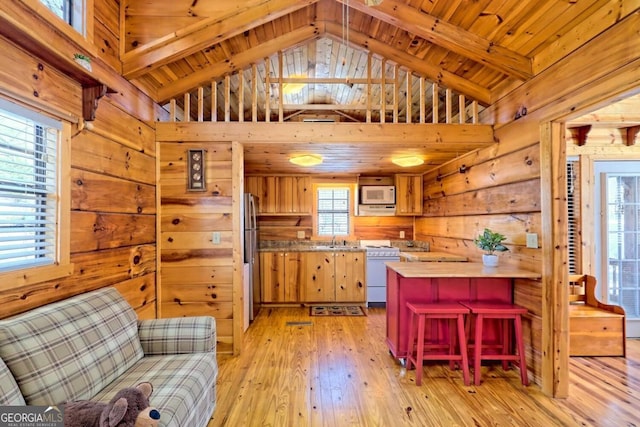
(341, 245)
(312, 248)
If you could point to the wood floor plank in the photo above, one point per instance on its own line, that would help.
(298, 370)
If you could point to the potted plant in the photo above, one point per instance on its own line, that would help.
(490, 242)
(83, 60)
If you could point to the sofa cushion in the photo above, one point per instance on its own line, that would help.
(71, 349)
(9, 390)
(184, 387)
(177, 335)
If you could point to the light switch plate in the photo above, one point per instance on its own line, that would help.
(215, 237)
(532, 240)
(300, 234)
(402, 234)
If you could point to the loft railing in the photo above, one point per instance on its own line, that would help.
(257, 94)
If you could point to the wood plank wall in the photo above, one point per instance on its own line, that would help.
(530, 203)
(368, 228)
(113, 208)
(497, 188)
(197, 275)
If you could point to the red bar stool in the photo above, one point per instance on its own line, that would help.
(437, 311)
(506, 313)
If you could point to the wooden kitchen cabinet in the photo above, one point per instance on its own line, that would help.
(349, 276)
(318, 277)
(290, 195)
(408, 194)
(280, 276)
(334, 277)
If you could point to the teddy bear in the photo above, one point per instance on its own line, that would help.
(128, 408)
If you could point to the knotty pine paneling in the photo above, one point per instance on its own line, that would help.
(383, 227)
(517, 166)
(112, 120)
(95, 192)
(178, 292)
(519, 197)
(284, 227)
(197, 275)
(36, 82)
(112, 185)
(499, 189)
(94, 231)
(92, 270)
(96, 153)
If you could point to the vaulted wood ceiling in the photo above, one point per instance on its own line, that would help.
(476, 48)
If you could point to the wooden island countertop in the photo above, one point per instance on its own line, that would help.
(459, 269)
(431, 282)
(432, 257)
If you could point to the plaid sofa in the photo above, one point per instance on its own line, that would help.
(90, 346)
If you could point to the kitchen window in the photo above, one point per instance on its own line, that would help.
(33, 233)
(333, 210)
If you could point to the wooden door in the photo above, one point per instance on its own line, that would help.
(319, 277)
(272, 270)
(350, 280)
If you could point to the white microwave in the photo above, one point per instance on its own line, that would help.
(378, 195)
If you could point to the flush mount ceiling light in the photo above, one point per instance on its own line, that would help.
(306, 160)
(407, 161)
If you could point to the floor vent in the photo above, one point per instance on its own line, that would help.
(299, 323)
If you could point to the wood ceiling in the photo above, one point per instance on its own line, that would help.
(476, 48)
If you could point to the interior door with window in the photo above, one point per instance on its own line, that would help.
(619, 225)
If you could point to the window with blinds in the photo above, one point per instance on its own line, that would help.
(70, 11)
(28, 188)
(333, 211)
(573, 217)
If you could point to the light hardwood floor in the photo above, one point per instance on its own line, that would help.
(298, 370)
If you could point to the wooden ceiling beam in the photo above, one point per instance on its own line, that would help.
(624, 113)
(206, 32)
(449, 36)
(430, 136)
(238, 62)
(434, 73)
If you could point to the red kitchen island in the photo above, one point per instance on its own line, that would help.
(428, 282)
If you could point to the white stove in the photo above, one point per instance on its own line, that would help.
(379, 248)
(378, 253)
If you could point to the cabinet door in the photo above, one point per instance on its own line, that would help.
(408, 194)
(350, 280)
(302, 197)
(319, 277)
(272, 268)
(292, 276)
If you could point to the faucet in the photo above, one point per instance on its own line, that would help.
(333, 240)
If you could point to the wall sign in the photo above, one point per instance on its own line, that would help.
(195, 170)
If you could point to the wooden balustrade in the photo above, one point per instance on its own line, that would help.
(270, 100)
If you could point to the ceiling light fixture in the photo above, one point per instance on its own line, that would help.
(407, 161)
(306, 160)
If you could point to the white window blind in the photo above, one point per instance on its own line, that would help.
(28, 188)
(70, 11)
(572, 216)
(333, 211)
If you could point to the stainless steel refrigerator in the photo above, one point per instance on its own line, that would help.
(251, 252)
